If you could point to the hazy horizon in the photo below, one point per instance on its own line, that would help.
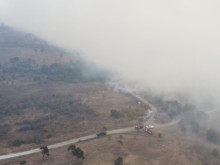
(171, 46)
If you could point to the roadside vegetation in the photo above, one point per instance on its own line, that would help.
(76, 151)
(45, 152)
(23, 162)
(137, 148)
(118, 161)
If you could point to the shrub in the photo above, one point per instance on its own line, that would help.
(36, 140)
(18, 142)
(195, 126)
(116, 114)
(215, 153)
(4, 129)
(212, 135)
(23, 162)
(118, 161)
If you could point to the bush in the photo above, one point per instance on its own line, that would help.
(212, 135)
(18, 142)
(76, 151)
(36, 140)
(195, 126)
(215, 153)
(183, 129)
(23, 162)
(116, 114)
(118, 161)
(4, 129)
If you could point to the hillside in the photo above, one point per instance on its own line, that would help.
(24, 55)
(48, 95)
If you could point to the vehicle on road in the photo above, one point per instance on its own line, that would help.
(149, 131)
(139, 126)
(103, 133)
(150, 126)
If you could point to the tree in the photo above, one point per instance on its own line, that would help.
(23, 162)
(104, 128)
(215, 153)
(116, 114)
(72, 147)
(212, 135)
(18, 142)
(45, 151)
(195, 126)
(76, 151)
(118, 161)
(160, 135)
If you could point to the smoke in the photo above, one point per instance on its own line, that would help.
(165, 45)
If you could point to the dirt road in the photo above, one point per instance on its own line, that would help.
(89, 137)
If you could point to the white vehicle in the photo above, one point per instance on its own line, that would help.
(150, 126)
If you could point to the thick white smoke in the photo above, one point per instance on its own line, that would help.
(166, 45)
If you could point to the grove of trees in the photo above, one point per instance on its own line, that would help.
(44, 151)
(76, 151)
(118, 161)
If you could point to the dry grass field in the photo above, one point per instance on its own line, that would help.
(49, 96)
(135, 148)
(54, 127)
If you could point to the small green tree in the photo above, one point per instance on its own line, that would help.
(45, 151)
(118, 161)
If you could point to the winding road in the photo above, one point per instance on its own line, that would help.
(72, 141)
(89, 137)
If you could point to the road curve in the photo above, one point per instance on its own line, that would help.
(72, 141)
(65, 143)
(89, 137)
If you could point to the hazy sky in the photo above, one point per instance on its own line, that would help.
(166, 44)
